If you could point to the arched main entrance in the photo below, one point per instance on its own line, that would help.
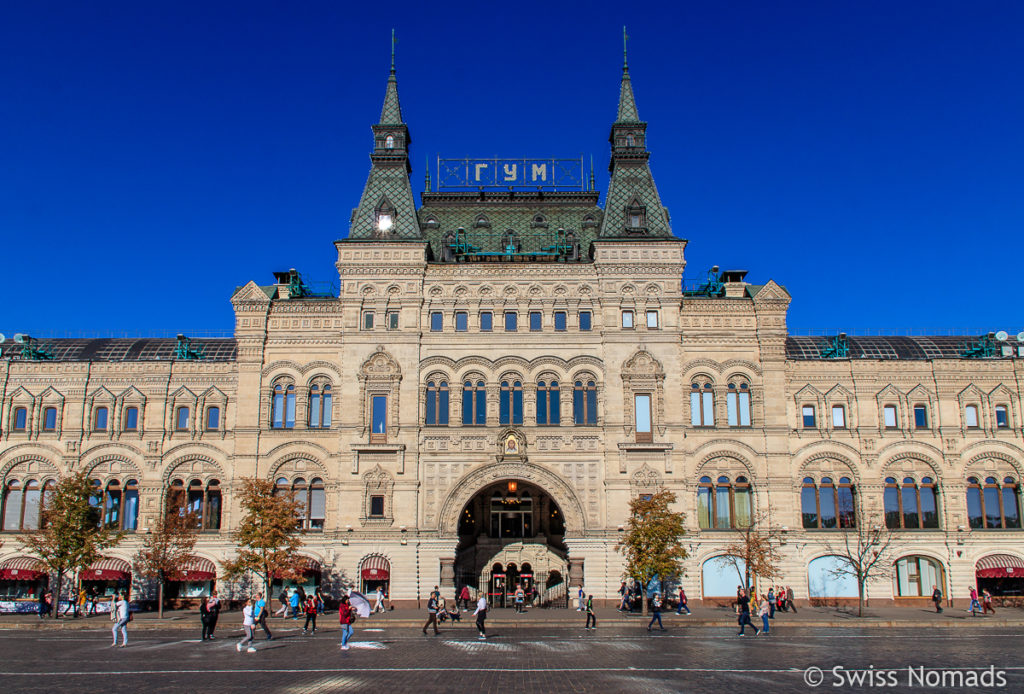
(511, 534)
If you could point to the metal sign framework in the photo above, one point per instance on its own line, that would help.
(550, 174)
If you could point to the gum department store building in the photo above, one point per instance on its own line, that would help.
(501, 371)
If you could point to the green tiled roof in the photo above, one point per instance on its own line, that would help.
(391, 112)
(627, 104)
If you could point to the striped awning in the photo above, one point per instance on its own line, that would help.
(21, 569)
(108, 569)
(1000, 566)
(375, 568)
(195, 569)
(307, 566)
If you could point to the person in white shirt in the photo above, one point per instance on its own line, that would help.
(249, 626)
(379, 606)
(119, 615)
(481, 615)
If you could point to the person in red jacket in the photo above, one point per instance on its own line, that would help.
(310, 609)
(346, 616)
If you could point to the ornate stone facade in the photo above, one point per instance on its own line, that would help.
(655, 387)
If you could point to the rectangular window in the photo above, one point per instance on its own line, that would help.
(652, 320)
(436, 321)
(585, 321)
(50, 419)
(627, 319)
(642, 417)
(461, 321)
(889, 416)
(21, 418)
(486, 321)
(732, 408)
(511, 321)
(535, 321)
(744, 408)
(392, 320)
(379, 419)
(376, 506)
(971, 416)
(1002, 417)
(560, 320)
(99, 420)
(808, 416)
(131, 418)
(920, 417)
(212, 418)
(181, 420)
(838, 417)
(368, 320)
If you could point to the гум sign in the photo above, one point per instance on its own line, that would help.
(505, 173)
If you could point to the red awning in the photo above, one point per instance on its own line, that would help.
(108, 569)
(21, 569)
(375, 568)
(1000, 566)
(307, 566)
(195, 569)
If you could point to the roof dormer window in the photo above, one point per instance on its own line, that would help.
(630, 141)
(384, 217)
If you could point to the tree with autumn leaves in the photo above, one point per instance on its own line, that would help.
(167, 546)
(268, 536)
(755, 554)
(650, 543)
(72, 535)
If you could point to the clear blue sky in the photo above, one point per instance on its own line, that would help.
(867, 155)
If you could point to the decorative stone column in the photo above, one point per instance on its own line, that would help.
(447, 575)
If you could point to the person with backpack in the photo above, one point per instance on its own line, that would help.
(743, 606)
(346, 617)
(295, 602)
(283, 599)
(591, 617)
(431, 614)
(260, 611)
(682, 603)
(656, 612)
(937, 599)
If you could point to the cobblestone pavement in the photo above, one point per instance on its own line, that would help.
(551, 659)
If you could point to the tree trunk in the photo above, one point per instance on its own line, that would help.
(860, 597)
(160, 599)
(56, 594)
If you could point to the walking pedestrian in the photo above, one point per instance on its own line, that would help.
(260, 611)
(283, 599)
(249, 627)
(743, 605)
(937, 599)
(293, 602)
(579, 600)
(44, 605)
(682, 603)
(520, 598)
(789, 599)
(321, 602)
(464, 596)
(763, 611)
(656, 612)
(975, 605)
(120, 615)
(94, 598)
(379, 605)
(431, 614)
(591, 617)
(623, 598)
(346, 616)
(771, 603)
(214, 606)
(204, 616)
(481, 616)
(986, 602)
(310, 608)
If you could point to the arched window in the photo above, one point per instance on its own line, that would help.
(131, 419)
(548, 403)
(910, 505)
(389, 142)
(282, 407)
(915, 576)
(474, 403)
(204, 502)
(50, 419)
(320, 404)
(828, 505)
(12, 505)
(181, 416)
(212, 418)
(630, 141)
(994, 505)
(584, 403)
(20, 418)
(99, 419)
(117, 506)
(737, 402)
(702, 405)
(437, 403)
(312, 499)
(510, 406)
(724, 505)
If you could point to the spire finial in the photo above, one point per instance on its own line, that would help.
(592, 186)
(426, 168)
(625, 37)
(393, 42)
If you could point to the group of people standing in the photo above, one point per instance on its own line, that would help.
(436, 607)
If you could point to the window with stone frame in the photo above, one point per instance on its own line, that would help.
(378, 497)
(737, 403)
(379, 378)
(24, 490)
(321, 403)
(643, 381)
(437, 400)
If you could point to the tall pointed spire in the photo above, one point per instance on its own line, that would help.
(627, 104)
(387, 209)
(391, 113)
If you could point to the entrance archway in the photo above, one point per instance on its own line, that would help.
(511, 534)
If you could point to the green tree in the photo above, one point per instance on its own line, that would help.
(72, 535)
(650, 543)
(168, 546)
(866, 554)
(755, 554)
(268, 537)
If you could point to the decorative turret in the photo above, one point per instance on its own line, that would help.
(633, 206)
(386, 209)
